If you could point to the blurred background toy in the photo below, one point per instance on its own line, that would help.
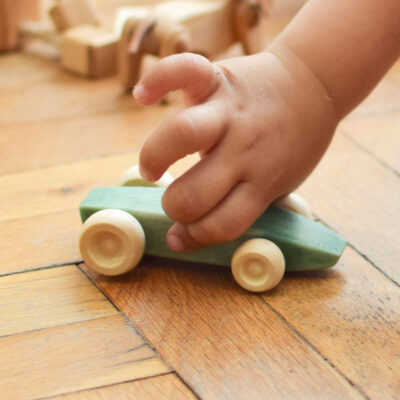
(12, 14)
(86, 47)
(206, 27)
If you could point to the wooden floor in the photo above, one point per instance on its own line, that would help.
(176, 330)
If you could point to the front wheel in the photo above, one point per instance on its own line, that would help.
(111, 242)
(258, 265)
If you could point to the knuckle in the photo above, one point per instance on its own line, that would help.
(191, 61)
(208, 232)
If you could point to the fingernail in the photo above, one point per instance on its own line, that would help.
(139, 92)
(175, 243)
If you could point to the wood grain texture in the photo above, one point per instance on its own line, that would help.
(351, 316)
(360, 198)
(165, 387)
(225, 343)
(45, 191)
(375, 124)
(43, 241)
(50, 236)
(43, 100)
(58, 188)
(74, 357)
(378, 135)
(66, 140)
(47, 298)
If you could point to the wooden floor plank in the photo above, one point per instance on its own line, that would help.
(18, 70)
(47, 298)
(64, 96)
(225, 343)
(65, 140)
(375, 124)
(56, 189)
(378, 135)
(360, 198)
(74, 357)
(351, 315)
(394, 73)
(50, 237)
(39, 241)
(61, 188)
(165, 387)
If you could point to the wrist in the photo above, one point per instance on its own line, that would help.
(302, 73)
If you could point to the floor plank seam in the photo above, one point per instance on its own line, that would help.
(364, 149)
(313, 348)
(104, 386)
(136, 330)
(362, 255)
(49, 266)
(53, 326)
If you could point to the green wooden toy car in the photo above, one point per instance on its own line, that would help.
(123, 223)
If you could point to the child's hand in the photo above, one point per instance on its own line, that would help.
(260, 123)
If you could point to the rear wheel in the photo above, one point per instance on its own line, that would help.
(294, 202)
(258, 265)
(111, 242)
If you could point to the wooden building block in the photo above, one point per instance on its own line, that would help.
(69, 13)
(89, 51)
(12, 14)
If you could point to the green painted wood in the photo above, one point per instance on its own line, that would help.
(306, 244)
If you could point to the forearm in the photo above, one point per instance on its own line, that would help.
(347, 45)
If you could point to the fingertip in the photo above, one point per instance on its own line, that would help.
(179, 240)
(146, 174)
(140, 94)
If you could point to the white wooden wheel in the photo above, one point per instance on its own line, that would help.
(294, 202)
(111, 242)
(132, 177)
(258, 265)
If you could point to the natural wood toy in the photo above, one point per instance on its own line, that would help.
(69, 13)
(122, 223)
(89, 51)
(207, 27)
(86, 50)
(12, 14)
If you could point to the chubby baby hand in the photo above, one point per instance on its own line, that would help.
(260, 124)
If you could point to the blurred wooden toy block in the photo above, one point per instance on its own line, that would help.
(70, 13)
(12, 14)
(89, 51)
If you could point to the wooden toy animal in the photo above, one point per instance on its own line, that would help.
(207, 27)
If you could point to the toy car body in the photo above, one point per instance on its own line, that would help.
(305, 244)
